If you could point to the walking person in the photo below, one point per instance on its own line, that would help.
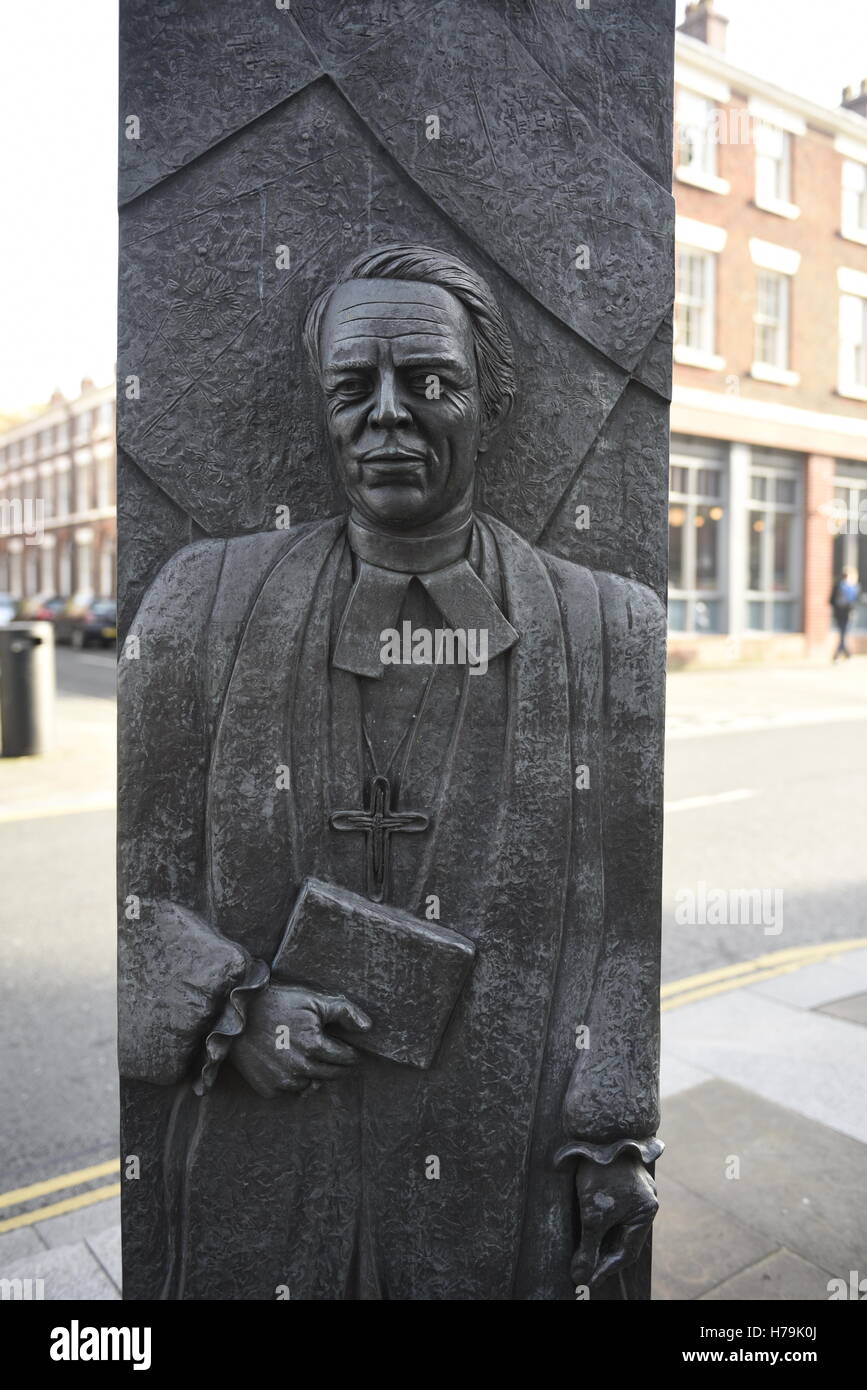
(844, 596)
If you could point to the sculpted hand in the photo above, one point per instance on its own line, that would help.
(284, 1046)
(617, 1202)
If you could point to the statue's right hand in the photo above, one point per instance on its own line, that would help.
(284, 1046)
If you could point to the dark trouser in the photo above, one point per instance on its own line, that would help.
(841, 618)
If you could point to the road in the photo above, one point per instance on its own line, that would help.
(797, 825)
(87, 673)
(800, 831)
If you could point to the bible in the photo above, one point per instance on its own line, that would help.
(404, 972)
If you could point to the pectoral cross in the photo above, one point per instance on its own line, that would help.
(379, 822)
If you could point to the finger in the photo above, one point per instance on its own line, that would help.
(293, 1086)
(586, 1256)
(624, 1251)
(330, 1050)
(336, 1009)
(321, 1071)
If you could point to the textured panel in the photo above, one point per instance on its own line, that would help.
(195, 72)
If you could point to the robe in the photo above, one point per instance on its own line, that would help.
(239, 740)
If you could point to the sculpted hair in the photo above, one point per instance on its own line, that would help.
(495, 357)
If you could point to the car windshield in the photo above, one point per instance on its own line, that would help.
(105, 608)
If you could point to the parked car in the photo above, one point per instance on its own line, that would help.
(85, 620)
(43, 608)
(8, 607)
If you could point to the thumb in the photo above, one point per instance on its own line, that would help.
(336, 1009)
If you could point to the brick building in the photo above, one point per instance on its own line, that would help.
(58, 531)
(769, 419)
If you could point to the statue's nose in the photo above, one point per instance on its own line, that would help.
(388, 409)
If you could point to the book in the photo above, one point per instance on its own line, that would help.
(405, 973)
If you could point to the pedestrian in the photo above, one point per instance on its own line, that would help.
(844, 596)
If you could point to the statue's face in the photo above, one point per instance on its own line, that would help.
(402, 399)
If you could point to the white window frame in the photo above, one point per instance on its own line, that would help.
(766, 594)
(773, 366)
(690, 500)
(701, 171)
(852, 364)
(705, 247)
(855, 487)
(853, 213)
(787, 123)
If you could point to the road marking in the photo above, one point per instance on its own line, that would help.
(695, 803)
(84, 1199)
(42, 810)
(41, 1189)
(695, 987)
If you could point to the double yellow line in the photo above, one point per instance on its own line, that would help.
(687, 991)
(42, 1189)
(752, 972)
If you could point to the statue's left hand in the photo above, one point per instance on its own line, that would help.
(617, 1202)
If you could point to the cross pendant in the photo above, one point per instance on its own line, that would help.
(379, 822)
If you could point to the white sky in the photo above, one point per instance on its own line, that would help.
(58, 125)
(58, 151)
(814, 47)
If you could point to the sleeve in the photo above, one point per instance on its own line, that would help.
(611, 1101)
(178, 979)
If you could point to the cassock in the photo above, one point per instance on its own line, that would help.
(254, 711)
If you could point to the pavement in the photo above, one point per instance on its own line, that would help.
(764, 1061)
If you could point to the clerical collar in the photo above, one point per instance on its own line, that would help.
(409, 554)
(386, 566)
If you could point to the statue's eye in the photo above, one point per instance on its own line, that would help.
(352, 388)
(429, 384)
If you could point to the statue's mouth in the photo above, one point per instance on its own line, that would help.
(393, 456)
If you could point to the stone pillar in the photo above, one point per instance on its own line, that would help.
(818, 551)
(396, 284)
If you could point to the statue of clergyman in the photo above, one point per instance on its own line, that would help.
(388, 995)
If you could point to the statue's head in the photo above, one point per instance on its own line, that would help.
(417, 369)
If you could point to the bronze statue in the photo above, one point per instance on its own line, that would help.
(391, 780)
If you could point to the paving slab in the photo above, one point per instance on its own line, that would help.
(814, 985)
(697, 1245)
(73, 1226)
(853, 1009)
(782, 1276)
(106, 1248)
(799, 1184)
(14, 1244)
(69, 1271)
(810, 1062)
(676, 1076)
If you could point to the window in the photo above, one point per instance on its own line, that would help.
(773, 164)
(83, 424)
(771, 319)
(696, 151)
(773, 521)
(853, 343)
(104, 471)
(63, 493)
(82, 488)
(849, 523)
(696, 543)
(854, 216)
(694, 307)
